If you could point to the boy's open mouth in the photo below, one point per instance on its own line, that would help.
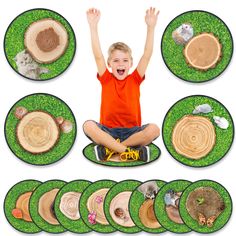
(121, 71)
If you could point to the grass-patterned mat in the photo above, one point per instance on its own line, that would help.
(138, 198)
(54, 106)
(123, 186)
(89, 153)
(34, 206)
(224, 137)
(178, 186)
(201, 21)
(14, 41)
(220, 221)
(10, 204)
(84, 211)
(74, 226)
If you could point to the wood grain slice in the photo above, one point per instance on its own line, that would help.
(193, 136)
(46, 207)
(203, 51)
(46, 40)
(147, 215)
(94, 206)
(22, 204)
(37, 132)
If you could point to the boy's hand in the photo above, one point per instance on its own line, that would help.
(151, 17)
(93, 16)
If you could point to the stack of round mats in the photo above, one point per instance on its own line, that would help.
(129, 206)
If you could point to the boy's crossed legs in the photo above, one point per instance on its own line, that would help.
(140, 136)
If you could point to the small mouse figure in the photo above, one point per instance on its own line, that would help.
(183, 34)
(221, 122)
(204, 108)
(28, 67)
(149, 189)
(171, 198)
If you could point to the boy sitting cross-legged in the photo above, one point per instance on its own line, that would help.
(120, 130)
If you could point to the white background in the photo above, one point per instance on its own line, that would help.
(121, 20)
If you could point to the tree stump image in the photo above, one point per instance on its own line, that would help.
(37, 132)
(193, 136)
(203, 51)
(46, 40)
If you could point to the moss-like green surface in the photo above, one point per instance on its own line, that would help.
(34, 206)
(89, 153)
(83, 205)
(55, 107)
(224, 138)
(221, 220)
(160, 206)
(136, 200)
(74, 226)
(14, 40)
(10, 203)
(201, 22)
(126, 185)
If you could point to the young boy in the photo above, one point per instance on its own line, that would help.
(120, 131)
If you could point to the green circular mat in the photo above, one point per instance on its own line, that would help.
(89, 153)
(172, 53)
(55, 107)
(221, 220)
(74, 226)
(126, 185)
(14, 41)
(136, 200)
(160, 206)
(84, 212)
(185, 106)
(10, 203)
(34, 203)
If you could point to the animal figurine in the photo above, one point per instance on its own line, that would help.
(221, 122)
(183, 34)
(204, 108)
(149, 189)
(28, 67)
(171, 198)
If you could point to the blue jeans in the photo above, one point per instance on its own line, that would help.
(120, 133)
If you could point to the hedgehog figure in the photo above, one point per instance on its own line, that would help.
(183, 34)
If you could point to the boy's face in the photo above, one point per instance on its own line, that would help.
(120, 63)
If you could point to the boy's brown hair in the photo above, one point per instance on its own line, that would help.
(121, 47)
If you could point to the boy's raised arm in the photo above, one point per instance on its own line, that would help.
(93, 16)
(151, 20)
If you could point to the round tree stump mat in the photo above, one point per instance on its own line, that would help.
(193, 136)
(203, 51)
(37, 132)
(46, 40)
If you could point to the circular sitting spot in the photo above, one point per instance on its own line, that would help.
(37, 132)
(193, 136)
(203, 51)
(46, 40)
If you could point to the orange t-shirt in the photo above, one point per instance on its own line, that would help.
(120, 105)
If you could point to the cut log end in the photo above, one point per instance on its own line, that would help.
(203, 52)
(193, 137)
(37, 132)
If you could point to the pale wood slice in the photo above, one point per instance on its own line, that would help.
(97, 206)
(69, 205)
(121, 202)
(22, 204)
(173, 214)
(46, 40)
(204, 200)
(37, 132)
(147, 215)
(203, 51)
(193, 136)
(46, 207)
